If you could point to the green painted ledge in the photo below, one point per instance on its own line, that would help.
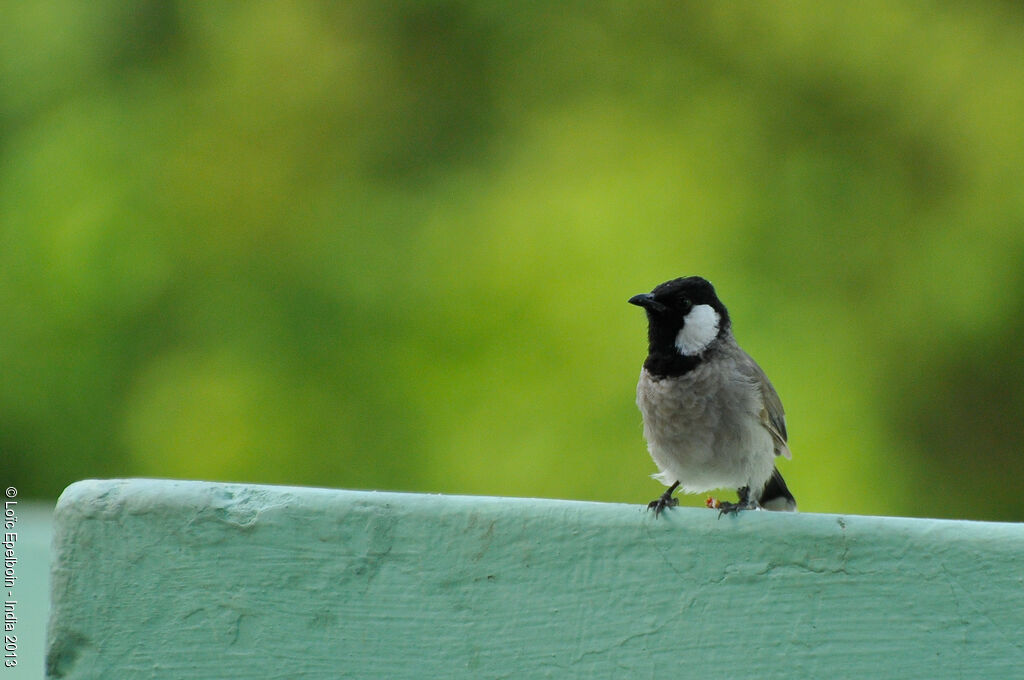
(170, 579)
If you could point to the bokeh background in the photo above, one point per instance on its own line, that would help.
(389, 245)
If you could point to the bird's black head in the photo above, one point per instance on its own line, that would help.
(684, 318)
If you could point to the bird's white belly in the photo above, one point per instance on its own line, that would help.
(705, 433)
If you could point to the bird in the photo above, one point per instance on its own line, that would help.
(711, 417)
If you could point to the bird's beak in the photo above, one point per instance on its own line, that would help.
(647, 301)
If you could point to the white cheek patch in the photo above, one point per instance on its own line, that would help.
(700, 329)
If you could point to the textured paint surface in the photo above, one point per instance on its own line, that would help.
(167, 579)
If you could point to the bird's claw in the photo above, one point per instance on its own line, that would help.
(661, 503)
(727, 508)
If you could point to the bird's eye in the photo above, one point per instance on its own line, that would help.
(685, 304)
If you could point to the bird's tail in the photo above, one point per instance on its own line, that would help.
(776, 495)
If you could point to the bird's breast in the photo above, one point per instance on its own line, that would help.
(702, 429)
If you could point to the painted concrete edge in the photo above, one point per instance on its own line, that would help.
(91, 497)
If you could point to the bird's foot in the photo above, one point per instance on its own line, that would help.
(727, 508)
(663, 501)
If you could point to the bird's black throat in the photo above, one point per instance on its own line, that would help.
(670, 364)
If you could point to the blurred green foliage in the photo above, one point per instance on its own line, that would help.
(389, 245)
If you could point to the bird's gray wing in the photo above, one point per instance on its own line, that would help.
(772, 415)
